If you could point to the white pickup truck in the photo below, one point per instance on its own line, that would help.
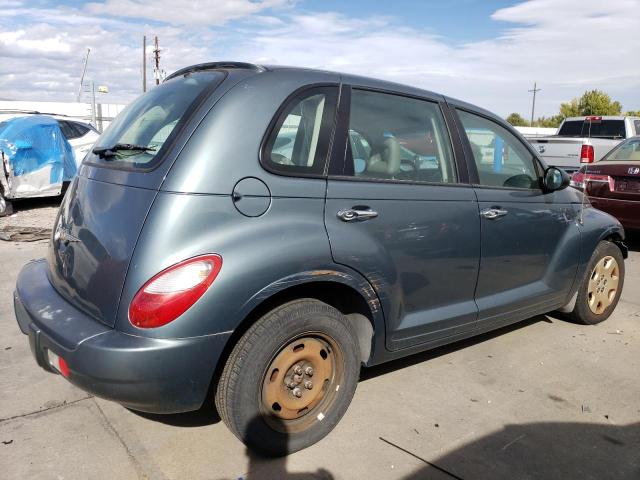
(584, 140)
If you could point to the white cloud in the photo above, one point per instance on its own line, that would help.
(19, 42)
(567, 47)
(198, 12)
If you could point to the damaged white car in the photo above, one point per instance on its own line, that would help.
(37, 158)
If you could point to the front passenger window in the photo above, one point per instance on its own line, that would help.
(502, 160)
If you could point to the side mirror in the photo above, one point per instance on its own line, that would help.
(555, 179)
(23, 144)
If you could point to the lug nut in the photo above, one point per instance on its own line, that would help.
(297, 379)
(297, 392)
(297, 370)
(308, 385)
(309, 371)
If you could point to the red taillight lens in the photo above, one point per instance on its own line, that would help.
(586, 154)
(64, 368)
(173, 291)
(59, 363)
(577, 180)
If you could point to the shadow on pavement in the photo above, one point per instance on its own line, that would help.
(633, 241)
(376, 371)
(266, 468)
(207, 414)
(542, 450)
(34, 203)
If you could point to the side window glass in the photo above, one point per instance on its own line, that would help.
(637, 125)
(67, 130)
(501, 158)
(299, 143)
(398, 138)
(80, 129)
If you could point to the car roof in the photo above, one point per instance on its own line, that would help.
(352, 79)
(604, 117)
(56, 116)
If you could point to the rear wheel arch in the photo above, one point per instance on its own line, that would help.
(362, 312)
(365, 315)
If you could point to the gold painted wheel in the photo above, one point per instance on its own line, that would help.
(301, 382)
(603, 284)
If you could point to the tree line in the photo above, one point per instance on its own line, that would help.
(592, 102)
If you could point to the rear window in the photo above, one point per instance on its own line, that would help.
(625, 152)
(602, 129)
(151, 119)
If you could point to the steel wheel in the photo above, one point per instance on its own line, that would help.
(301, 382)
(603, 284)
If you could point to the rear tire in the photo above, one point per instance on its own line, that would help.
(601, 286)
(290, 378)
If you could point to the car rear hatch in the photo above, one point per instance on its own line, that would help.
(105, 207)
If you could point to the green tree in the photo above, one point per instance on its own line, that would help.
(592, 102)
(633, 113)
(516, 120)
(549, 122)
(570, 109)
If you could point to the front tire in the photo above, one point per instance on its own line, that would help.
(601, 287)
(290, 378)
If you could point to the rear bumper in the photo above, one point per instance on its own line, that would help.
(626, 211)
(141, 373)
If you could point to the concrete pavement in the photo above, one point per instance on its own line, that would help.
(542, 399)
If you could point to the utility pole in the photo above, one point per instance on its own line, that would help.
(84, 69)
(533, 106)
(156, 54)
(144, 63)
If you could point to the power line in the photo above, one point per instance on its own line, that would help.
(533, 106)
(144, 63)
(84, 70)
(156, 54)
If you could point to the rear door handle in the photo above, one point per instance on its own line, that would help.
(356, 214)
(493, 213)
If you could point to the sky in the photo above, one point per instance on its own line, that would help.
(485, 52)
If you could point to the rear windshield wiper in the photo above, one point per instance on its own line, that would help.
(110, 152)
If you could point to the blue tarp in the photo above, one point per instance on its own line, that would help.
(34, 142)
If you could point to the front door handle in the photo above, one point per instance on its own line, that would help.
(493, 213)
(356, 214)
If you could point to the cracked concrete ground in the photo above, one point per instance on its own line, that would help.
(542, 399)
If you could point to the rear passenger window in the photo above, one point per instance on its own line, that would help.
(398, 138)
(502, 160)
(299, 143)
(80, 129)
(67, 130)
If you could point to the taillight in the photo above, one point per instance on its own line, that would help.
(577, 180)
(173, 291)
(59, 363)
(586, 154)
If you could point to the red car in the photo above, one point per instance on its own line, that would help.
(613, 183)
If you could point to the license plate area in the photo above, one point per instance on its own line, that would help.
(627, 185)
